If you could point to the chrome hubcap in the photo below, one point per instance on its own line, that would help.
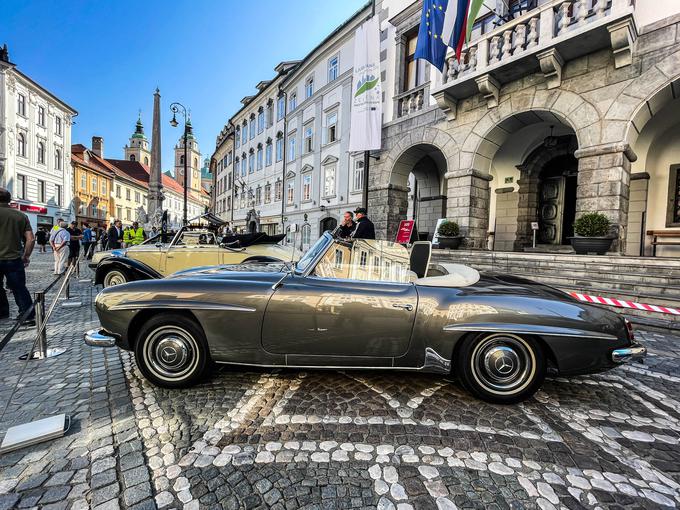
(503, 364)
(171, 353)
(114, 278)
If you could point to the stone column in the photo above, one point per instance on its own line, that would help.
(387, 206)
(527, 207)
(505, 228)
(468, 204)
(604, 185)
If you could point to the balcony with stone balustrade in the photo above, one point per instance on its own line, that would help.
(542, 39)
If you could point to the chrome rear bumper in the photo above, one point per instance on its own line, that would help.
(627, 354)
(97, 338)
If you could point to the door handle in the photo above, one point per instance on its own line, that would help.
(408, 308)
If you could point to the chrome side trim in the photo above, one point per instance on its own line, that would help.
(528, 329)
(434, 360)
(628, 354)
(180, 305)
(95, 338)
(318, 367)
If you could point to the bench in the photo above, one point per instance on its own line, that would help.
(664, 235)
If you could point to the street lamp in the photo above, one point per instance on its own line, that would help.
(176, 108)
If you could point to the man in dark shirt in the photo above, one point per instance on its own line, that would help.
(16, 245)
(347, 226)
(365, 228)
(115, 235)
(74, 244)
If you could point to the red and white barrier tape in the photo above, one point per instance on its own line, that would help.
(624, 304)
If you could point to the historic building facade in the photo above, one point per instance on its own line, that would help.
(563, 109)
(35, 146)
(221, 167)
(92, 184)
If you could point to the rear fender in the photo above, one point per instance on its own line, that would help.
(134, 269)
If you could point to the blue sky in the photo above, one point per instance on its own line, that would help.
(105, 58)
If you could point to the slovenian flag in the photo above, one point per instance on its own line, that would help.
(445, 23)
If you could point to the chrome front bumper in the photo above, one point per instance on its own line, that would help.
(96, 338)
(629, 353)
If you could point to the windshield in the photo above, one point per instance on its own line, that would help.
(311, 254)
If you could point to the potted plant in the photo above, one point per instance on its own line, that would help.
(592, 234)
(448, 235)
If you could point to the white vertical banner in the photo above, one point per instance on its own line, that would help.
(366, 118)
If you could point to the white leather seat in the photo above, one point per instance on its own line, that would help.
(454, 275)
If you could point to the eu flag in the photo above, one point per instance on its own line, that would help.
(431, 46)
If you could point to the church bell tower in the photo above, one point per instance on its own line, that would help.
(193, 161)
(138, 148)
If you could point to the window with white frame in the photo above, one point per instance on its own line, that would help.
(41, 116)
(57, 159)
(83, 183)
(279, 147)
(309, 87)
(331, 127)
(237, 136)
(244, 165)
(260, 157)
(290, 193)
(281, 107)
(21, 144)
(104, 186)
(309, 138)
(260, 120)
(93, 187)
(57, 125)
(278, 190)
(252, 126)
(20, 191)
(270, 113)
(41, 152)
(307, 187)
(21, 105)
(258, 195)
(358, 179)
(267, 193)
(128, 196)
(244, 133)
(306, 234)
(292, 101)
(58, 194)
(333, 63)
(291, 147)
(42, 191)
(138, 197)
(251, 162)
(329, 180)
(268, 152)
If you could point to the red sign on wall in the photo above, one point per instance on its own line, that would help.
(29, 208)
(405, 231)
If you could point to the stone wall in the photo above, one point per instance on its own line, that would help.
(639, 184)
(505, 228)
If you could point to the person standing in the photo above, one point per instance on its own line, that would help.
(347, 226)
(115, 235)
(134, 235)
(87, 241)
(365, 228)
(41, 239)
(74, 245)
(16, 245)
(59, 240)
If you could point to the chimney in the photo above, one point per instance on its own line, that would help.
(98, 146)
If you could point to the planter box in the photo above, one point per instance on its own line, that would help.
(451, 243)
(586, 245)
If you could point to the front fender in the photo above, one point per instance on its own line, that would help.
(135, 269)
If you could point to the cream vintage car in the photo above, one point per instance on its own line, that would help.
(190, 247)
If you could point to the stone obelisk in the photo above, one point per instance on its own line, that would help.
(155, 182)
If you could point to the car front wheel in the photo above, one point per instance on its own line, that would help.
(171, 351)
(501, 368)
(114, 277)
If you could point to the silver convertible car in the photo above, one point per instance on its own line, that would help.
(362, 305)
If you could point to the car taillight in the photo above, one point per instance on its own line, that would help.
(629, 329)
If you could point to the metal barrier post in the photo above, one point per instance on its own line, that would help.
(41, 353)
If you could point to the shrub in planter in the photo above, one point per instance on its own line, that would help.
(592, 234)
(448, 235)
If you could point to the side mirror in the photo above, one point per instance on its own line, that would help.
(159, 244)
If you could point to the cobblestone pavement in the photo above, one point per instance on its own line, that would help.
(327, 439)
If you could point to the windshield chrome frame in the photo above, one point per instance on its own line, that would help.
(315, 260)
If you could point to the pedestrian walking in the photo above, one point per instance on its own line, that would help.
(16, 245)
(115, 235)
(365, 228)
(59, 240)
(41, 237)
(74, 245)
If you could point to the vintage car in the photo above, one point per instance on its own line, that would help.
(363, 305)
(191, 246)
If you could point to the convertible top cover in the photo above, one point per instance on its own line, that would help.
(244, 240)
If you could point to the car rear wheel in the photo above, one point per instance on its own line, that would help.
(114, 277)
(171, 351)
(501, 368)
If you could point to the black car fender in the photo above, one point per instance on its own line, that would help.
(134, 269)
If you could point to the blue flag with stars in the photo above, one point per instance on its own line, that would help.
(431, 46)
